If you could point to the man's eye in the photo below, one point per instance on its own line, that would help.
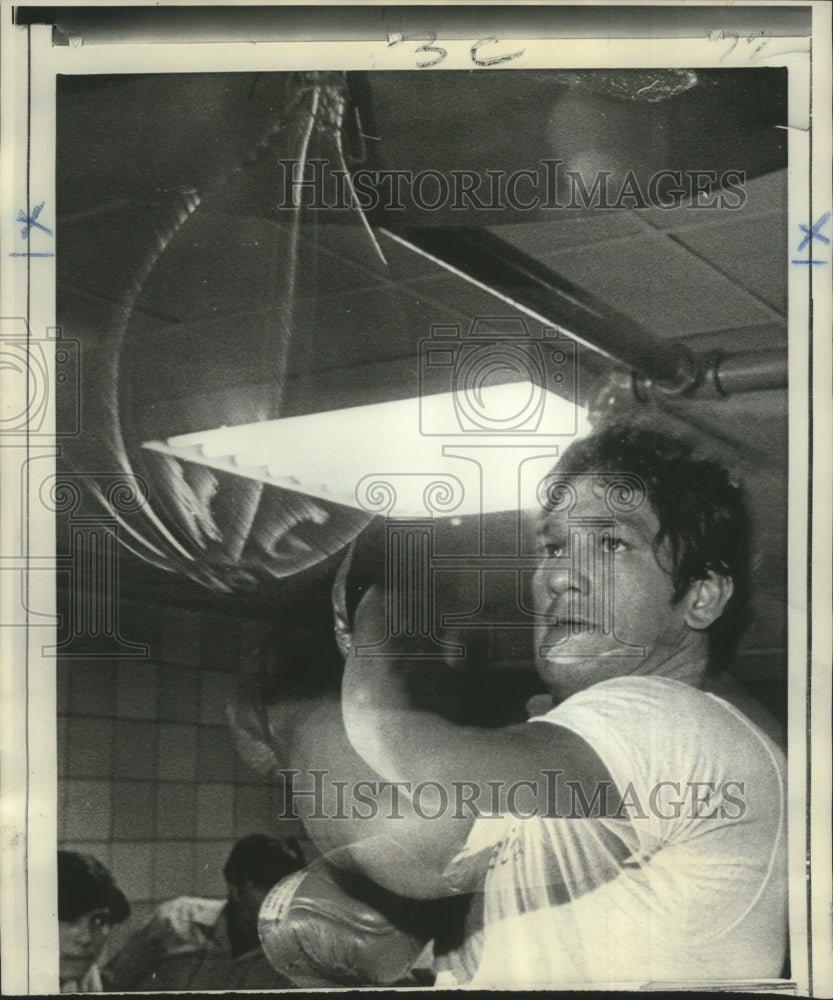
(554, 550)
(612, 544)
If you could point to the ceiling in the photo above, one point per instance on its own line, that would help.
(136, 152)
(128, 147)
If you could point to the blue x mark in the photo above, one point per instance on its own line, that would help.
(814, 233)
(32, 220)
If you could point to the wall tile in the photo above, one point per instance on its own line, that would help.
(220, 643)
(89, 751)
(254, 810)
(133, 868)
(246, 775)
(216, 754)
(216, 691)
(176, 812)
(137, 690)
(215, 805)
(92, 688)
(140, 622)
(173, 869)
(253, 634)
(181, 636)
(177, 752)
(209, 858)
(99, 849)
(86, 810)
(136, 753)
(179, 694)
(134, 809)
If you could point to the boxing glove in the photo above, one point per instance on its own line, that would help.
(322, 926)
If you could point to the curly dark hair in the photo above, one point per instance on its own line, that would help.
(263, 860)
(701, 513)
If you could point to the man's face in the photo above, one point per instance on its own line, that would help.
(606, 596)
(81, 942)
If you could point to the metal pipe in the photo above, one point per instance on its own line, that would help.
(750, 371)
(497, 267)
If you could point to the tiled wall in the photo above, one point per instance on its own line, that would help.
(148, 780)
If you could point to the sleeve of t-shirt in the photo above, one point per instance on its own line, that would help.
(703, 787)
(684, 763)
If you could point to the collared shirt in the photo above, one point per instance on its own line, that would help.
(185, 945)
(90, 982)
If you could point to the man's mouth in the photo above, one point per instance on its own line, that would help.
(572, 622)
(76, 965)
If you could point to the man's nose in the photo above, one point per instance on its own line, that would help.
(562, 575)
(82, 931)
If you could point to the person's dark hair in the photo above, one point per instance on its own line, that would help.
(262, 860)
(701, 512)
(84, 885)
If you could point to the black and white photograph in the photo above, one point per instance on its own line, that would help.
(416, 545)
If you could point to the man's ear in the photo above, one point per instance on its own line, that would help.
(707, 599)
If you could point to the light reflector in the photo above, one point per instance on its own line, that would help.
(379, 457)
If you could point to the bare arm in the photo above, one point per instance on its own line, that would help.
(355, 818)
(391, 789)
(510, 770)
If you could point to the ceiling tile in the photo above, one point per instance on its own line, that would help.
(749, 251)
(568, 229)
(764, 195)
(662, 286)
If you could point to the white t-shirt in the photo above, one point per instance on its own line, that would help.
(687, 882)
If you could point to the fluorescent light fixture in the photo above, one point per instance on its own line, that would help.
(448, 453)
